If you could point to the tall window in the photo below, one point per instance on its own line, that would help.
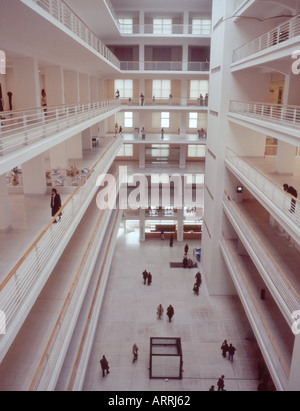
(198, 87)
(196, 151)
(126, 26)
(162, 26)
(161, 88)
(125, 88)
(128, 119)
(165, 120)
(126, 150)
(193, 120)
(160, 150)
(201, 27)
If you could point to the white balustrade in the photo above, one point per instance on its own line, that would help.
(266, 338)
(19, 287)
(273, 274)
(284, 114)
(283, 32)
(269, 188)
(59, 10)
(20, 128)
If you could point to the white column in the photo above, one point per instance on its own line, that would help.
(185, 57)
(142, 155)
(286, 156)
(180, 225)
(142, 56)
(87, 142)
(5, 216)
(26, 83)
(183, 123)
(71, 87)
(184, 91)
(84, 83)
(142, 21)
(34, 176)
(182, 156)
(74, 146)
(59, 156)
(142, 224)
(54, 85)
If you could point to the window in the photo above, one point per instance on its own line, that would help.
(128, 119)
(126, 26)
(162, 26)
(193, 120)
(201, 27)
(161, 89)
(125, 88)
(126, 151)
(196, 151)
(198, 87)
(160, 150)
(165, 120)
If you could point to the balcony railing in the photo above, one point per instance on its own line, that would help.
(278, 283)
(166, 30)
(278, 35)
(174, 101)
(259, 322)
(285, 114)
(59, 10)
(272, 191)
(23, 127)
(17, 290)
(165, 66)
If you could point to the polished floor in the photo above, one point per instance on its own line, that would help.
(202, 322)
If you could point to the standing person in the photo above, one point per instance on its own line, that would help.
(186, 249)
(160, 311)
(116, 129)
(149, 279)
(143, 133)
(224, 348)
(293, 192)
(135, 350)
(162, 234)
(198, 278)
(221, 383)
(117, 94)
(145, 276)
(142, 99)
(104, 366)
(231, 351)
(171, 240)
(170, 312)
(44, 100)
(120, 131)
(196, 288)
(162, 133)
(55, 204)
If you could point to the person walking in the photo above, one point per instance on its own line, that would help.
(160, 311)
(231, 351)
(104, 366)
(170, 312)
(142, 99)
(145, 277)
(221, 383)
(186, 249)
(55, 204)
(196, 288)
(149, 278)
(224, 348)
(198, 278)
(171, 240)
(135, 351)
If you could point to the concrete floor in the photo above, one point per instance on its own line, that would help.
(202, 322)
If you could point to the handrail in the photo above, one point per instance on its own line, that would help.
(67, 300)
(27, 275)
(286, 368)
(20, 128)
(280, 283)
(59, 10)
(91, 307)
(286, 114)
(281, 33)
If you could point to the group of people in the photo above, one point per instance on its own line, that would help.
(147, 277)
(203, 100)
(170, 312)
(198, 283)
(230, 349)
(220, 384)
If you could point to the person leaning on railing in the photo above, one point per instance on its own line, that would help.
(293, 192)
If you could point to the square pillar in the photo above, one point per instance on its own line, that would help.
(34, 176)
(5, 216)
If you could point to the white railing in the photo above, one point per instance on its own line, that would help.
(166, 30)
(22, 127)
(278, 35)
(174, 101)
(59, 10)
(270, 345)
(289, 115)
(165, 65)
(21, 284)
(273, 274)
(269, 188)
